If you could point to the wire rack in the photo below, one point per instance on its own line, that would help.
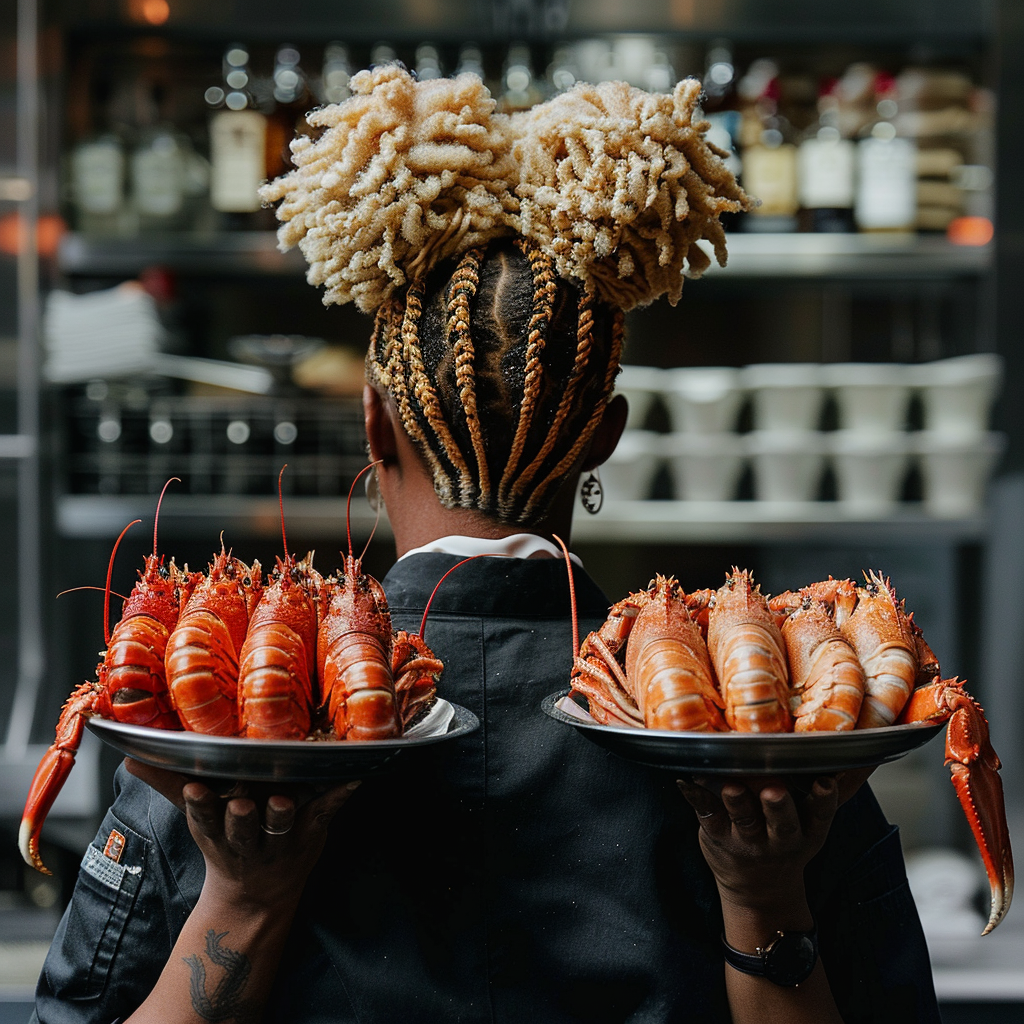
(214, 445)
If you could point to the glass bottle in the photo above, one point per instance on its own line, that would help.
(291, 102)
(159, 165)
(886, 169)
(336, 74)
(428, 62)
(720, 106)
(471, 61)
(238, 143)
(97, 171)
(519, 86)
(769, 157)
(826, 163)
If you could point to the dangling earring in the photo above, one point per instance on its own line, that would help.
(373, 498)
(592, 494)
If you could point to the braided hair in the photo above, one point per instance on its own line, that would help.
(500, 372)
(498, 254)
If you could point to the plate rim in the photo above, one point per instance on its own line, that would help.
(283, 761)
(783, 745)
(549, 702)
(463, 723)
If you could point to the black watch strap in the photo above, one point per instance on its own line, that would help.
(787, 960)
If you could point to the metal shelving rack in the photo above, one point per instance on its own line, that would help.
(255, 254)
(18, 757)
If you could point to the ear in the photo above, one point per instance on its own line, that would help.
(380, 428)
(608, 432)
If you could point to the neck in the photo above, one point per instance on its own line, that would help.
(416, 523)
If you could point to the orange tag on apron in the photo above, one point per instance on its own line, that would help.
(115, 846)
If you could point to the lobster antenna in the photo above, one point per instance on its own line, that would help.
(572, 599)
(376, 521)
(348, 507)
(485, 554)
(280, 502)
(71, 590)
(156, 518)
(110, 572)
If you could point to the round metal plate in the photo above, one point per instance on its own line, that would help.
(736, 753)
(228, 757)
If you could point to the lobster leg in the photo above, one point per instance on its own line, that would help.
(54, 769)
(416, 671)
(974, 767)
(599, 677)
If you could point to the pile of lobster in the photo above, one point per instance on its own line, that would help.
(293, 655)
(835, 655)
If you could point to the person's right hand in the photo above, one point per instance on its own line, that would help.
(259, 844)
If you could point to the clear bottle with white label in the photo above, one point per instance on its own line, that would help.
(886, 169)
(336, 74)
(97, 171)
(826, 166)
(238, 144)
(769, 157)
(159, 168)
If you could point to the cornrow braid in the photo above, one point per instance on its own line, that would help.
(505, 373)
(427, 399)
(545, 286)
(461, 290)
(569, 459)
(584, 342)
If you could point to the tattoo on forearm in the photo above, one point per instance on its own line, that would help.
(225, 1003)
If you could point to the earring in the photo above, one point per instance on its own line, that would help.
(592, 494)
(373, 498)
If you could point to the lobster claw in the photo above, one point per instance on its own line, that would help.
(974, 767)
(53, 771)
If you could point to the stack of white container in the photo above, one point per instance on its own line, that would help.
(870, 453)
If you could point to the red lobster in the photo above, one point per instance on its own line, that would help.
(277, 661)
(202, 651)
(648, 663)
(904, 684)
(130, 685)
(355, 647)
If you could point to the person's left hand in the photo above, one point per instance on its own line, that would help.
(757, 837)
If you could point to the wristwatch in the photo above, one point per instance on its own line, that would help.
(787, 960)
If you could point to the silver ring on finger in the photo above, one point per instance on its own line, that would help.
(276, 831)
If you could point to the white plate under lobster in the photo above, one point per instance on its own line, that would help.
(745, 753)
(250, 760)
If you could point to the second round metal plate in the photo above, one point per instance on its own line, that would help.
(735, 753)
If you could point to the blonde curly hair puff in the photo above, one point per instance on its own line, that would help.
(403, 174)
(617, 185)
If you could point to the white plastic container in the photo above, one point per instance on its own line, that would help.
(705, 467)
(870, 469)
(703, 399)
(787, 465)
(640, 385)
(957, 394)
(787, 396)
(629, 472)
(955, 470)
(872, 398)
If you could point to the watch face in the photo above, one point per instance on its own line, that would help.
(791, 958)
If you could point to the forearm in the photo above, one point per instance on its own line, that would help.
(757, 1000)
(222, 967)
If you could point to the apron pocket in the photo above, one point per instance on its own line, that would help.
(105, 892)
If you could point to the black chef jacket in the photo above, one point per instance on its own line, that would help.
(519, 875)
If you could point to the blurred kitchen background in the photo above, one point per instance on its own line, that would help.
(844, 395)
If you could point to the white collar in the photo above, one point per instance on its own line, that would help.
(518, 545)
